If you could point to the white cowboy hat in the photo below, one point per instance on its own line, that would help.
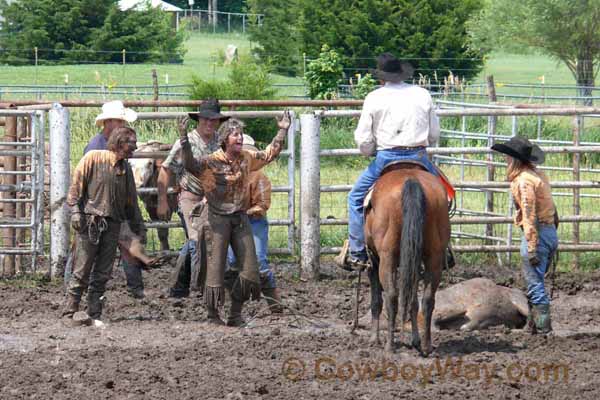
(249, 143)
(115, 110)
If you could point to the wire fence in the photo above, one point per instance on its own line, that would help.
(475, 93)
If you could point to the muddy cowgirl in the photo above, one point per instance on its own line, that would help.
(224, 176)
(538, 219)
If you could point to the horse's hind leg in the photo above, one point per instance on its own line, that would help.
(433, 272)
(376, 299)
(388, 276)
(414, 311)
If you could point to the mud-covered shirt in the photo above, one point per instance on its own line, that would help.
(104, 186)
(533, 199)
(200, 148)
(224, 180)
(258, 194)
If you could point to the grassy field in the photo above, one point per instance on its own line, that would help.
(201, 59)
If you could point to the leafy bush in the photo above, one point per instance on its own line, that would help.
(247, 80)
(324, 75)
(365, 84)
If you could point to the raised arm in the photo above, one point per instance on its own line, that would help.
(262, 158)
(187, 157)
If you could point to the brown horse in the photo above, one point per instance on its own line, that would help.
(406, 224)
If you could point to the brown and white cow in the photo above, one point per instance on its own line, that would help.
(145, 172)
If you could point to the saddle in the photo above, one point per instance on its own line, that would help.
(411, 164)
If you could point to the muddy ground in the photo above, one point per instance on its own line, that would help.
(161, 348)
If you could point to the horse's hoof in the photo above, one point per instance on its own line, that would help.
(426, 352)
(416, 344)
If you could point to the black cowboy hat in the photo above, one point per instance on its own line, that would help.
(521, 149)
(391, 69)
(209, 109)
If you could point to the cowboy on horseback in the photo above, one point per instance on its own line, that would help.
(398, 122)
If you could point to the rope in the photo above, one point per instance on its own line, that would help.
(96, 226)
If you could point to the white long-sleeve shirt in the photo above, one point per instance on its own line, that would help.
(397, 114)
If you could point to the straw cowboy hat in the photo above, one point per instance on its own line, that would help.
(210, 109)
(521, 149)
(249, 143)
(391, 69)
(115, 110)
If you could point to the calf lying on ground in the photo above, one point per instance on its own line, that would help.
(473, 305)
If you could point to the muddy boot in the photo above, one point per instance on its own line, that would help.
(213, 316)
(273, 300)
(71, 307)
(541, 318)
(235, 313)
(94, 305)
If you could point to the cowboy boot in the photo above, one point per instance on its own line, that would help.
(235, 313)
(541, 318)
(273, 300)
(213, 316)
(94, 305)
(71, 306)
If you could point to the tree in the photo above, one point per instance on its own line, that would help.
(568, 30)
(147, 35)
(277, 36)
(83, 31)
(431, 34)
(54, 27)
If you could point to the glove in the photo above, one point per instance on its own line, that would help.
(533, 259)
(77, 221)
(182, 126)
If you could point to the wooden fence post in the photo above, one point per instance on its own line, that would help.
(9, 209)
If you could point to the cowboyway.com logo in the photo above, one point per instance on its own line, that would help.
(329, 369)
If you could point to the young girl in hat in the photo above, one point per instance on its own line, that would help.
(538, 219)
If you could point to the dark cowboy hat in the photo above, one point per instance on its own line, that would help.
(521, 149)
(391, 69)
(209, 109)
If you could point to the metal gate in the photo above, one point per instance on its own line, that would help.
(22, 188)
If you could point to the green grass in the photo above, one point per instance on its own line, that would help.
(201, 59)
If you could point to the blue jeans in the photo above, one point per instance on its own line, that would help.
(184, 273)
(366, 180)
(260, 232)
(534, 275)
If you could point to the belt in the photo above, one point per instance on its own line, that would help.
(408, 148)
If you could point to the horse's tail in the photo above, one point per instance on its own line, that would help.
(411, 242)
